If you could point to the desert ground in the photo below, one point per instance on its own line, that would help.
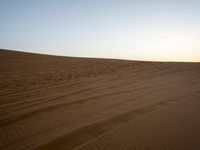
(67, 103)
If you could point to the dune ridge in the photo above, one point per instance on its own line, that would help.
(53, 102)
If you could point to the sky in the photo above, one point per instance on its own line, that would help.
(155, 30)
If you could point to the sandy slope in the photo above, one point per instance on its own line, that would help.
(174, 128)
(49, 102)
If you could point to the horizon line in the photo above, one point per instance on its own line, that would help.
(91, 57)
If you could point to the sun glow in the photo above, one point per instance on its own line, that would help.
(165, 44)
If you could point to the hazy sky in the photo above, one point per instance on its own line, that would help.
(128, 29)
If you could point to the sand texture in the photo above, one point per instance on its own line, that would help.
(65, 103)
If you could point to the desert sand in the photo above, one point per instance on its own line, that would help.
(67, 103)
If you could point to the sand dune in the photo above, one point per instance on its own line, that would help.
(51, 102)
